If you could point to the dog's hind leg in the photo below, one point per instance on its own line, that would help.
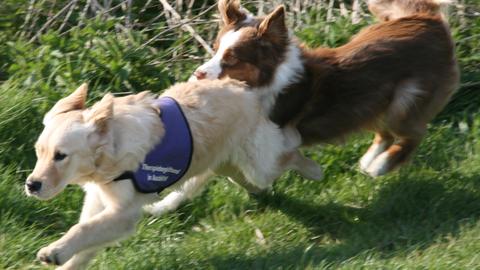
(393, 157)
(416, 102)
(407, 138)
(235, 175)
(187, 191)
(262, 175)
(294, 160)
(408, 135)
(305, 166)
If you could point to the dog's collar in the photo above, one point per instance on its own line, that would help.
(168, 162)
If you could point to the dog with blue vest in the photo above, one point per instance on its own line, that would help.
(123, 151)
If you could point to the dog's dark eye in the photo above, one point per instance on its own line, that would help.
(59, 156)
(229, 59)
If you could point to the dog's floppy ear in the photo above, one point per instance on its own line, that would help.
(75, 101)
(274, 24)
(231, 12)
(100, 114)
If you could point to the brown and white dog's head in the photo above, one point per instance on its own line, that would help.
(256, 50)
(66, 148)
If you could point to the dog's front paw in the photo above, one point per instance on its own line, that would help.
(53, 255)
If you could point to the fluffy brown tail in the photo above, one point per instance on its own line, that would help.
(386, 10)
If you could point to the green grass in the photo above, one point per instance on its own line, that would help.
(424, 216)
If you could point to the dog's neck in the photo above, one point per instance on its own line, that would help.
(308, 68)
(134, 130)
(289, 72)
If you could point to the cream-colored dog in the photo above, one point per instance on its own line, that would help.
(93, 146)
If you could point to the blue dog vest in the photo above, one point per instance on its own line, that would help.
(170, 159)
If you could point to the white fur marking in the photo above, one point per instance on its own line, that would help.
(379, 165)
(371, 154)
(287, 72)
(406, 96)
(213, 67)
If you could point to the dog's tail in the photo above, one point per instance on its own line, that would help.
(386, 10)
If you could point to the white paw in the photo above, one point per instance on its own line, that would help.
(158, 209)
(366, 160)
(373, 152)
(54, 255)
(379, 166)
(168, 204)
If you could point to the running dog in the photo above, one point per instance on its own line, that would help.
(125, 150)
(392, 78)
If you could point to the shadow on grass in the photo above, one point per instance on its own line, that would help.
(406, 214)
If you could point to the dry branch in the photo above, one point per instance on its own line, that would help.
(185, 26)
(51, 20)
(27, 18)
(69, 13)
(356, 9)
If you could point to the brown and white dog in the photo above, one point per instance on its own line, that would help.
(93, 146)
(391, 78)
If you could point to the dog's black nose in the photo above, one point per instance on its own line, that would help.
(34, 186)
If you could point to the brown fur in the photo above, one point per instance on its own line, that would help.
(241, 70)
(353, 86)
(392, 77)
